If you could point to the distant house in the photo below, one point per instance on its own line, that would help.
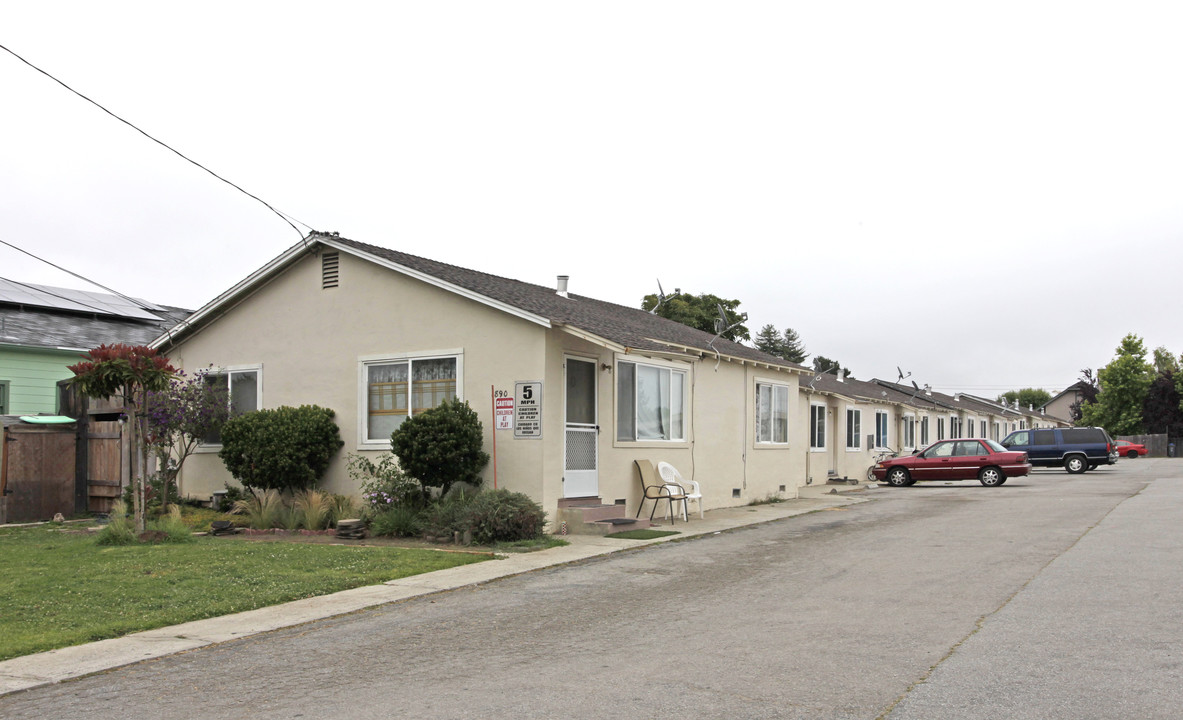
(45, 329)
(1063, 403)
(379, 335)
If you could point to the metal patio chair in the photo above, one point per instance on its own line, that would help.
(653, 488)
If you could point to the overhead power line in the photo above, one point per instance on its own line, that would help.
(286, 218)
(116, 293)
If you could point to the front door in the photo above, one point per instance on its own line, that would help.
(580, 478)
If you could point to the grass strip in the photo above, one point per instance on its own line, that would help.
(58, 588)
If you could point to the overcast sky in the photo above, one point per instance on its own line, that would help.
(989, 196)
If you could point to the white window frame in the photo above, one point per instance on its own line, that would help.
(229, 370)
(856, 428)
(924, 428)
(673, 369)
(940, 428)
(776, 390)
(882, 422)
(909, 439)
(363, 391)
(817, 427)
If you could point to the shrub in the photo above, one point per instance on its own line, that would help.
(504, 516)
(286, 448)
(399, 521)
(491, 516)
(262, 511)
(342, 507)
(312, 509)
(447, 516)
(172, 526)
(384, 485)
(156, 485)
(233, 494)
(442, 445)
(119, 530)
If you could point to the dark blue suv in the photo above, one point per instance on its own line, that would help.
(1077, 448)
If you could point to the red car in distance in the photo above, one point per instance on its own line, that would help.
(1129, 449)
(960, 459)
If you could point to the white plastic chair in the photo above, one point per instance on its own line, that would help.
(670, 475)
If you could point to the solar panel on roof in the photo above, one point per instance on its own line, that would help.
(83, 301)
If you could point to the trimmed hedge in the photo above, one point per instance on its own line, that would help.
(287, 448)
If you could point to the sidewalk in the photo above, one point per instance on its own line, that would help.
(30, 671)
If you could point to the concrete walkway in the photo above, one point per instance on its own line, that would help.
(55, 666)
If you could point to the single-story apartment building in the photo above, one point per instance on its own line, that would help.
(379, 335)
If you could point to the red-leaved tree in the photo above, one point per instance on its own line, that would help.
(130, 371)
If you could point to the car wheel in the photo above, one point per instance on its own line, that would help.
(1075, 464)
(1132, 454)
(991, 477)
(898, 477)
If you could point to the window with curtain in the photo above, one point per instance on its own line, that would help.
(772, 413)
(909, 440)
(650, 402)
(924, 431)
(398, 389)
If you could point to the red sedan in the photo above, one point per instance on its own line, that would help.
(962, 459)
(1129, 449)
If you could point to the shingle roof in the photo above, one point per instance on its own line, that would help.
(50, 328)
(871, 390)
(630, 327)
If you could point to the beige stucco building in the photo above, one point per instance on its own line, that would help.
(377, 335)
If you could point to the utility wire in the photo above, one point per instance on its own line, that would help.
(162, 144)
(45, 291)
(114, 292)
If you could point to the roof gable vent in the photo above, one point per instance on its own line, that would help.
(330, 264)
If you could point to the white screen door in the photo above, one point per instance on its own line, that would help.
(580, 478)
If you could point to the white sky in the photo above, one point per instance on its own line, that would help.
(988, 196)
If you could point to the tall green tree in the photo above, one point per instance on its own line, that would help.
(1124, 384)
(787, 346)
(794, 349)
(1164, 362)
(823, 364)
(700, 311)
(769, 340)
(130, 372)
(1027, 397)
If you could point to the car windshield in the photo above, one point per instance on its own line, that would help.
(995, 446)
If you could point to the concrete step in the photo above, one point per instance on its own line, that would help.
(596, 519)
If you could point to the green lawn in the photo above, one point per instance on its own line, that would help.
(58, 588)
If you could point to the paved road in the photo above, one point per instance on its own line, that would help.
(1053, 596)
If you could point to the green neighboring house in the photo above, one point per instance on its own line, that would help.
(44, 330)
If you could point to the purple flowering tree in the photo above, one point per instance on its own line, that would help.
(179, 417)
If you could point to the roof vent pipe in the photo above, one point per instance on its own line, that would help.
(562, 286)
